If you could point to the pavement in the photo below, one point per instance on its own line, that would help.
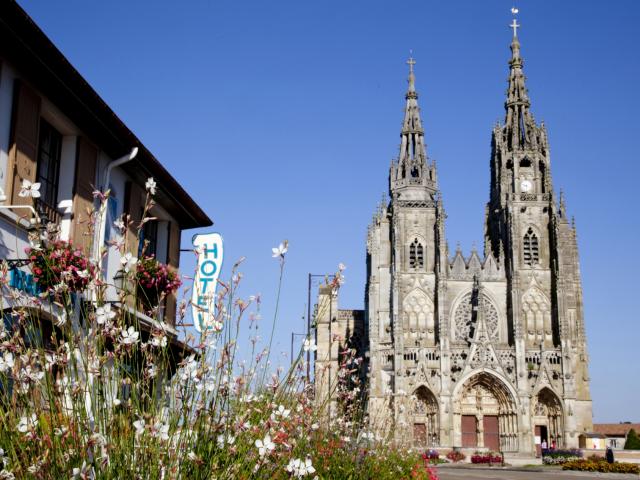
(514, 473)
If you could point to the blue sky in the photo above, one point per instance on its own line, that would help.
(281, 119)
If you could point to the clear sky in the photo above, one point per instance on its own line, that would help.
(281, 119)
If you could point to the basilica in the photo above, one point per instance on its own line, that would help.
(478, 351)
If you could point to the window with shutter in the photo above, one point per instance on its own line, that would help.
(48, 172)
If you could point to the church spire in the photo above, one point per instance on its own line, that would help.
(413, 156)
(412, 167)
(519, 120)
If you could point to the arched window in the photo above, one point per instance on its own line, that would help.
(416, 255)
(531, 250)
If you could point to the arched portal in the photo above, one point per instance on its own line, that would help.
(424, 412)
(488, 414)
(547, 412)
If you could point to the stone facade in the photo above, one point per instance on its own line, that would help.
(477, 351)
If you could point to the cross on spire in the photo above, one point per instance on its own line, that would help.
(515, 26)
(411, 62)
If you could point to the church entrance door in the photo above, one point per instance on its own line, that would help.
(469, 431)
(419, 435)
(491, 432)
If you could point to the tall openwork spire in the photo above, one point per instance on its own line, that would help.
(412, 167)
(519, 120)
(413, 155)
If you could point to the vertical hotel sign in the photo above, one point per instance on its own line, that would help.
(203, 297)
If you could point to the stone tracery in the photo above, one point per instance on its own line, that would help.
(418, 316)
(536, 310)
(465, 319)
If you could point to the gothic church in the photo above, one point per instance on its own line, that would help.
(480, 351)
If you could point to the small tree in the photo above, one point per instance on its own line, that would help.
(633, 441)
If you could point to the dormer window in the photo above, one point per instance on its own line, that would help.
(416, 255)
(530, 248)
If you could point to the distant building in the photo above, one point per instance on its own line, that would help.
(480, 351)
(615, 433)
(56, 130)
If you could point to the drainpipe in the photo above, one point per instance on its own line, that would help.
(102, 218)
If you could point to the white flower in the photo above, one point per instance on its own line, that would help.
(159, 341)
(192, 456)
(152, 371)
(82, 472)
(139, 426)
(280, 412)
(225, 440)
(161, 431)
(129, 336)
(119, 224)
(265, 446)
(309, 345)
(315, 426)
(341, 267)
(280, 250)
(29, 189)
(117, 401)
(128, 261)
(150, 186)
(104, 314)
(27, 423)
(6, 362)
(300, 468)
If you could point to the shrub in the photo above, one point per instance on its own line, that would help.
(633, 441)
(601, 466)
(456, 456)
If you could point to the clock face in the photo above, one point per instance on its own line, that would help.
(526, 185)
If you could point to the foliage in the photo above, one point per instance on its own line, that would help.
(601, 466)
(486, 457)
(106, 396)
(633, 441)
(58, 265)
(456, 456)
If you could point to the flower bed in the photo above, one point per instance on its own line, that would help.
(456, 456)
(560, 457)
(601, 466)
(489, 457)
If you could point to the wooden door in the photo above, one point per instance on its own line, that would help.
(469, 431)
(538, 440)
(419, 435)
(491, 432)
